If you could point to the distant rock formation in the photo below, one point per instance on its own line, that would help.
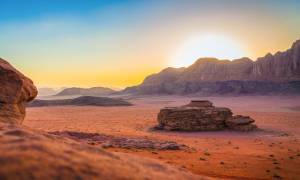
(272, 74)
(202, 116)
(15, 90)
(80, 101)
(94, 91)
(47, 91)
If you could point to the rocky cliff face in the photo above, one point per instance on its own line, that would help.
(278, 74)
(15, 91)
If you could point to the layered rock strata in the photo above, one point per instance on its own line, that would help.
(202, 116)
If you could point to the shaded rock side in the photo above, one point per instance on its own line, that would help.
(15, 91)
(29, 154)
(193, 118)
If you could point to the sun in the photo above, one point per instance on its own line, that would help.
(208, 45)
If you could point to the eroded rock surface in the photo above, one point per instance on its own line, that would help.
(15, 90)
(120, 142)
(240, 123)
(202, 116)
(30, 154)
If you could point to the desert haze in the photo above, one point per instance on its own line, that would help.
(156, 90)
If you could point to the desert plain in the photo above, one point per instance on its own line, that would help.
(270, 152)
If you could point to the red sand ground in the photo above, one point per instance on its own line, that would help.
(271, 152)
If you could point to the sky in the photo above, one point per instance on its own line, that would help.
(117, 43)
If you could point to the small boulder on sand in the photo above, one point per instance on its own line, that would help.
(240, 123)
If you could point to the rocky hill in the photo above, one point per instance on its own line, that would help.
(94, 91)
(45, 91)
(271, 74)
(81, 101)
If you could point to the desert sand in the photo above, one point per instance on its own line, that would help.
(272, 151)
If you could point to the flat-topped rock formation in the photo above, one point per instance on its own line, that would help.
(202, 116)
(81, 101)
(15, 91)
(94, 91)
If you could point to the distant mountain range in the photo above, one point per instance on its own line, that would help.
(271, 74)
(45, 91)
(94, 91)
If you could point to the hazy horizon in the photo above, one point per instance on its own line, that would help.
(118, 43)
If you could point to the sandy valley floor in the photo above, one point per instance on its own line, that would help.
(272, 152)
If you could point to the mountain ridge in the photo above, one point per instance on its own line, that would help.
(243, 76)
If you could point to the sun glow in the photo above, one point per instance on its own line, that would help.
(208, 45)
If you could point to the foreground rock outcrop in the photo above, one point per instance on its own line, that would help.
(15, 91)
(271, 74)
(202, 116)
(30, 154)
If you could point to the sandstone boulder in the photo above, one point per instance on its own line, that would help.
(15, 90)
(193, 118)
(202, 116)
(240, 123)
